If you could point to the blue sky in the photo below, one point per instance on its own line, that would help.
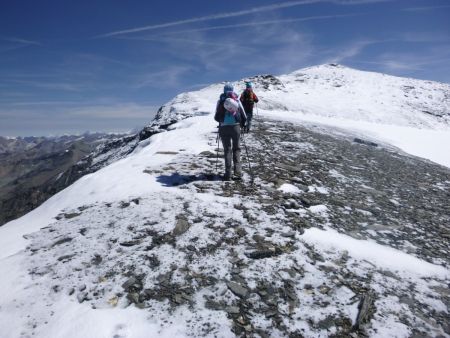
(72, 66)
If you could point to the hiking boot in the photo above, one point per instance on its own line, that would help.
(227, 177)
(237, 175)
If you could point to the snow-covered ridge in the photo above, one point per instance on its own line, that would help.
(153, 245)
(411, 114)
(333, 91)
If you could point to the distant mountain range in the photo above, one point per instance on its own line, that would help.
(31, 168)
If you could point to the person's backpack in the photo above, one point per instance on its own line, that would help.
(220, 110)
(248, 97)
(231, 105)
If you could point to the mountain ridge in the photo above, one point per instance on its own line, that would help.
(336, 237)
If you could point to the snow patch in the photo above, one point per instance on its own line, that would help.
(382, 256)
(318, 209)
(289, 188)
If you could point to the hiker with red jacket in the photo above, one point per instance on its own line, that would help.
(248, 99)
(231, 117)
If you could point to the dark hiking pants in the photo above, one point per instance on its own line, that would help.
(249, 113)
(231, 135)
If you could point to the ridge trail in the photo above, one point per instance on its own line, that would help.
(226, 259)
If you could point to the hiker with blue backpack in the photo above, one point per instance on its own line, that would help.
(231, 117)
(248, 99)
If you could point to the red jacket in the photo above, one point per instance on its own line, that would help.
(248, 98)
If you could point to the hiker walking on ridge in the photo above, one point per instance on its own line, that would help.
(231, 117)
(248, 99)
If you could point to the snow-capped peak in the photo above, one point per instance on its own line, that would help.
(334, 91)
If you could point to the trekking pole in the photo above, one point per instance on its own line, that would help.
(248, 160)
(217, 153)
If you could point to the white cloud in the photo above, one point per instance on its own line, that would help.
(22, 41)
(14, 43)
(167, 77)
(254, 10)
(423, 62)
(263, 23)
(346, 52)
(260, 48)
(60, 86)
(424, 8)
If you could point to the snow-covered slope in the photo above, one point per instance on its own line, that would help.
(413, 115)
(335, 91)
(157, 229)
(340, 92)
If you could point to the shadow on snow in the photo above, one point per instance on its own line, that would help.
(176, 179)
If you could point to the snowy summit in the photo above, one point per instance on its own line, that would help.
(345, 231)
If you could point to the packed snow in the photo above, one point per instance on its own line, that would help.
(384, 257)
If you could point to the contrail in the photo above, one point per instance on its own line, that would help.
(260, 23)
(27, 42)
(414, 9)
(237, 13)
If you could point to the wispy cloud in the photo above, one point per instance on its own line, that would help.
(423, 37)
(392, 65)
(62, 86)
(13, 43)
(424, 8)
(38, 103)
(285, 48)
(168, 39)
(23, 41)
(167, 77)
(254, 10)
(350, 50)
(260, 23)
(433, 59)
(354, 48)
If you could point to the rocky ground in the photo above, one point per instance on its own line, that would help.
(218, 256)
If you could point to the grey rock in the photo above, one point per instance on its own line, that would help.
(324, 289)
(66, 258)
(133, 297)
(288, 234)
(264, 253)
(178, 298)
(326, 323)
(130, 243)
(237, 289)
(72, 215)
(365, 310)
(82, 296)
(97, 259)
(232, 310)
(365, 142)
(212, 305)
(182, 225)
(61, 241)
(132, 284)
